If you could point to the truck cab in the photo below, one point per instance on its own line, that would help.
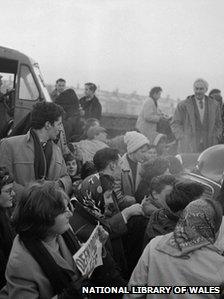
(22, 86)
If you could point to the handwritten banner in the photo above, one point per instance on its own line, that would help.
(89, 256)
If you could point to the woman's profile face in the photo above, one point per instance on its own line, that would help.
(6, 196)
(61, 223)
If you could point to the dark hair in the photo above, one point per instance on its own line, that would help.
(154, 90)
(69, 157)
(182, 194)
(175, 167)
(91, 86)
(87, 169)
(151, 169)
(214, 91)
(5, 177)
(159, 182)
(35, 212)
(104, 156)
(107, 182)
(43, 112)
(60, 80)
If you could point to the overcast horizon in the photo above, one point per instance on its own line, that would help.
(128, 44)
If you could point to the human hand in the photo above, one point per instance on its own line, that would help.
(103, 235)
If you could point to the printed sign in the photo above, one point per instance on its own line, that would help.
(89, 256)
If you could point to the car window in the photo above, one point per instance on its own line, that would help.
(27, 86)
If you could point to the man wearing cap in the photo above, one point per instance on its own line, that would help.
(127, 181)
(96, 140)
(197, 123)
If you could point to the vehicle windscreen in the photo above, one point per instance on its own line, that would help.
(41, 81)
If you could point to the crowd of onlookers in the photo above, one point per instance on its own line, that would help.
(155, 228)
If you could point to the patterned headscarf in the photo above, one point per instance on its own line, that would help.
(90, 192)
(196, 228)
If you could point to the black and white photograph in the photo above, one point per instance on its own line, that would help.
(112, 149)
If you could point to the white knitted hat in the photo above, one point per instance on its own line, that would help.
(134, 141)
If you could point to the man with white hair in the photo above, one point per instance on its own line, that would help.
(197, 123)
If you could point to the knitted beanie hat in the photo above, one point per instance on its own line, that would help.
(134, 141)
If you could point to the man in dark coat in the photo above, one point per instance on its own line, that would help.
(197, 121)
(60, 86)
(90, 103)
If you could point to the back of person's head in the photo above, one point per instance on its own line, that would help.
(153, 168)
(92, 122)
(92, 132)
(175, 166)
(5, 177)
(60, 80)
(214, 91)
(159, 182)
(87, 169)
(67, 98)
(91, 86)
(182, 194)
(154, 90)
(103, 157)
(37, 209)
(199, 222)
(45, 112)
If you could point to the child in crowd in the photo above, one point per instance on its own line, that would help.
(73, 167)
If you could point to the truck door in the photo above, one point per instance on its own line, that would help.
(28, 93)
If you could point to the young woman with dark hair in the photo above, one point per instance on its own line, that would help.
(150, 169)
(164, 219)
(6, 232)
(40, 264)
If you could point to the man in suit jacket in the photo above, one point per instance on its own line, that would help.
(35, 156)
(197, 123)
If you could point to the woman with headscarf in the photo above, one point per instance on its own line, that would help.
(185, 257)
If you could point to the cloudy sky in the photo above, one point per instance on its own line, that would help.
(127, 44)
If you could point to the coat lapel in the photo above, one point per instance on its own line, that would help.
(126, 169)
(138, 177)
(211, 114)
(191, 112)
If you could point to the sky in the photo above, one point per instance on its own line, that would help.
(131, 45)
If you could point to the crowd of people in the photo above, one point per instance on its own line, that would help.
(154, 227)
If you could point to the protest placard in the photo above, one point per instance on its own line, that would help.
(89, 256)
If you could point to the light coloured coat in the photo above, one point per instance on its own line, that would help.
(25, 278)
(124, 182)
(17, 154)
(148, 119)
(205, 267)
(183, 125)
